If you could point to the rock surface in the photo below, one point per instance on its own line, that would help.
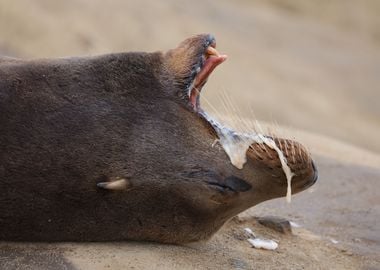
(278, 224)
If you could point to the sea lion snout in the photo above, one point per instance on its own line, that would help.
(272, 167)
(298, 159)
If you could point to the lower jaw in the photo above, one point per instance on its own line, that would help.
(201, 78)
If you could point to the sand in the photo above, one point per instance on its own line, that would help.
(310, 65)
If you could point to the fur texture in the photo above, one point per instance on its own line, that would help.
(68, 124)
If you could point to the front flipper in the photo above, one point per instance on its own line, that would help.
(116, 183)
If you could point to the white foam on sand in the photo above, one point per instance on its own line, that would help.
(263, 243)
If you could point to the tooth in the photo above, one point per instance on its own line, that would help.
(212, 51)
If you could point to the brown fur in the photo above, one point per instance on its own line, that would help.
(68, 124)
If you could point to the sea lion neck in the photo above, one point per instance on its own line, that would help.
(139, 74)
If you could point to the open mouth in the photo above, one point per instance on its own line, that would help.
(235, 144)
(211, 58)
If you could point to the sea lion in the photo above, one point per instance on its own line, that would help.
(117, 147)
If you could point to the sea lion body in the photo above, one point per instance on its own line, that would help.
(67, 125)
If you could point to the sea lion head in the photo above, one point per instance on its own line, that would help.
(253, 167)
(119, 147)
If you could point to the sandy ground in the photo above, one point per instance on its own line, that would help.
(312, 65)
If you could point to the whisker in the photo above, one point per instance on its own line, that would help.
(293, 152)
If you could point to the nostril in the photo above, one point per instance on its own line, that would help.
(211, 40)
(315, 177)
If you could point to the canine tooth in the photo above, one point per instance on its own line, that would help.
(212, 51)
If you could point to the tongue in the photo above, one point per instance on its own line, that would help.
(211, 63)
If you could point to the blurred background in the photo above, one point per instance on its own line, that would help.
(311, 65)
(304, 64)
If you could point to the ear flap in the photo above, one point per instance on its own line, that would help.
(115, 184)
(237, 184)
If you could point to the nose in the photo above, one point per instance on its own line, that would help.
(313, 178)
(315, 175)
(315, 172)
